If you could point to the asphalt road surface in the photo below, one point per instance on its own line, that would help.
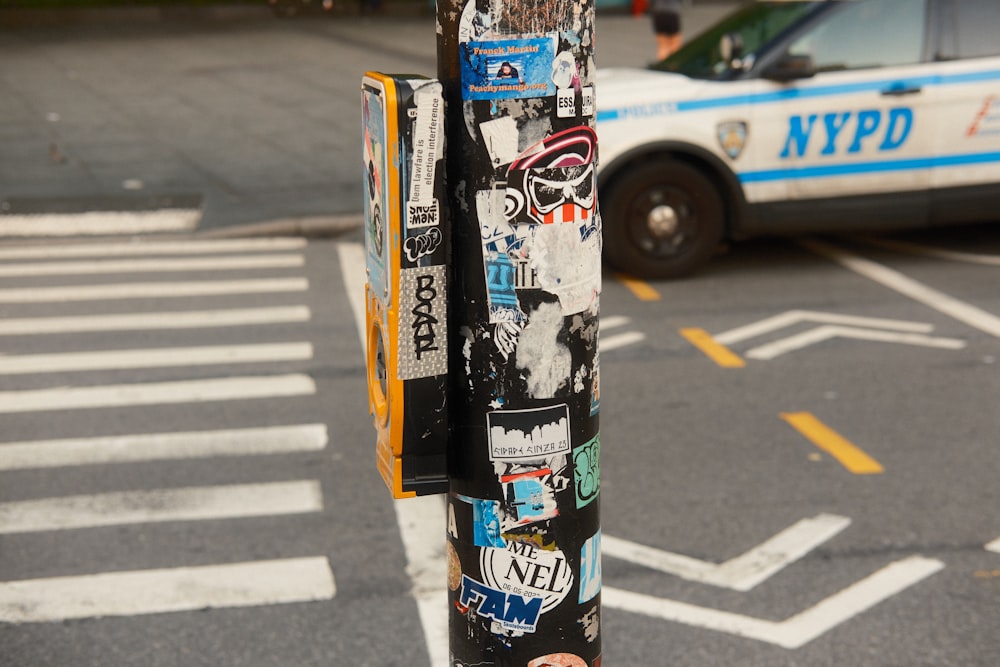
(800, 464)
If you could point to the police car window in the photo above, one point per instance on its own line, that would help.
(974, 27)
(864, 34)
(752, 26)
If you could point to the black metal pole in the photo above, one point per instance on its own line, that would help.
(524, 573)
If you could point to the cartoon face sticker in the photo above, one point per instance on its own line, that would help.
(553, 181)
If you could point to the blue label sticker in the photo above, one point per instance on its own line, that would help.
(508, 69)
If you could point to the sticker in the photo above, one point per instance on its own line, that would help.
(525, 276)
(519, 435)
(486, 528)
(587, 471)
(732, 137)
(428, 141)
(454, 567)
(375, 200)
(553, 181)
(565, 71)
(528, 497)
(507, 69)
(421, 245)
(500, 136)
(590, 568)
(500, 293)
(526, 570)
(422, 323)
(511, 611)
(595, 385)
(587, 103)
(558, 660)
(422, 215)
(591, 625)
(566, 103)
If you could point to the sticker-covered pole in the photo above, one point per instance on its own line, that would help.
(523, 523)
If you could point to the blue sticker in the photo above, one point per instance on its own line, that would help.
(513, 612)
(508, 69)
(590, 568)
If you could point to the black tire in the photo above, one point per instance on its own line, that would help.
(662, 219)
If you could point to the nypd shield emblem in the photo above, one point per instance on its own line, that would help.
(732, 137)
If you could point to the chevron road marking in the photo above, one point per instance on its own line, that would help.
(146, 248)
(108, 267)
(168, 590)
(608, 343)
(819, 334)
(164, 357)
(742, 572)
(793, 317)
(100, 223)
(425, 557)
(994, 546)
(159, 505)
(894, 280)
(793, 632)
(64, 293)
(155, 393)
(162, 446)
(192, 319)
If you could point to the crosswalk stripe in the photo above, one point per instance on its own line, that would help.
(620, 340)
(192, 319)
(107, 267)
(156, 290)
(100, 223)
(164, 357)
(167, 590)
(159, 505)
(156, 393)
(152, 247)
(32, 454)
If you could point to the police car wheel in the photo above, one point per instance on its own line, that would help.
(662, 219)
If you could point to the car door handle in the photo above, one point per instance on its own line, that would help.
(899, 90)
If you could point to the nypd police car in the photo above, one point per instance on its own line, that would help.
(792, 117)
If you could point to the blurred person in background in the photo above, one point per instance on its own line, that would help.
(666, 15)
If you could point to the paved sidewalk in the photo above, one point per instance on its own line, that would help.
(252, 120)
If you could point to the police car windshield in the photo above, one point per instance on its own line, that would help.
(721, 50)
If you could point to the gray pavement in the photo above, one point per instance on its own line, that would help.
(252, 119)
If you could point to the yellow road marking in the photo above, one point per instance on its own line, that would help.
(642, 290)
(849, 455)
(715, 351)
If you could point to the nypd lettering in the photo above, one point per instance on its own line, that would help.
(848, 132)
(422, 323)
(525, 569)
(511, 611)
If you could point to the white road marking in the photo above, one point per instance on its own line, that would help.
(927, 251)
(158, 290)
(608, 343)
(162, 446)
(147, 265)
(148, 247)
(613, 322)
(826, 332)
(793, 317)
(157, 393)
(164, 357)
(204, 503)
(167, 590)
(192, 319)
(793, 632)
(743, 572)
(416, 517)
(894, 280)
(100, 223)
(994, 546)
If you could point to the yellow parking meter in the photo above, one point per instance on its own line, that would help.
(406, 248)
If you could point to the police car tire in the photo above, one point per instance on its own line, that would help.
(630, 246)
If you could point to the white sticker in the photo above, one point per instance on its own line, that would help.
(500, 136)
(428, 138)
(565, 103)
(421, 215)
(587, 100)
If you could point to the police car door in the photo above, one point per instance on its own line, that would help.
(966, 176)
(856, 129)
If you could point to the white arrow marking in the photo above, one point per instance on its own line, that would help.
(791, 317)
(826, 332)
(994, 545)
(792, 632)
(742, 572)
